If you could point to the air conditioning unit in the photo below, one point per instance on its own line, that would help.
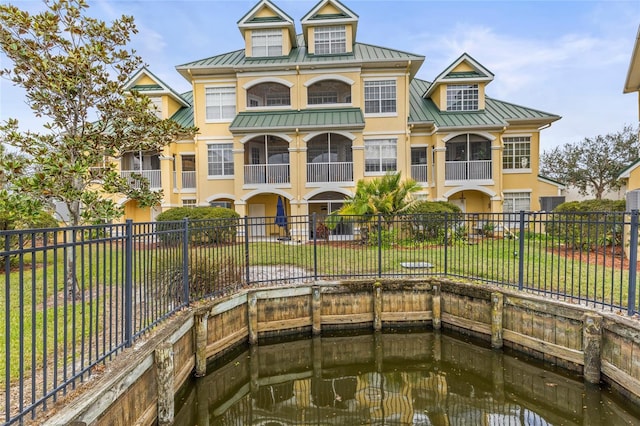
(633, 200)
(547, 204)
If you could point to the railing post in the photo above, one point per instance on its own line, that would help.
(185, 261)
(633, 261)
(246, 249)
(314, 229)
(128, 284)
(520, 253)
(379, 245)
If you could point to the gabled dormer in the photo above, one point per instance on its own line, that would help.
(163, 97)
(329, 28)
(460, 87)
(267, 31)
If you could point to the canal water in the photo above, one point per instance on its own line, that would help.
(392, 378)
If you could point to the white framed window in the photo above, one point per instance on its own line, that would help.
(380, 97)
(156, 106)
(517, 153)
(462, 97)
(514, 202)
(268, 94)
(225, 204)
(266, 42)
(220, 103)
(220, 159)
(189, 202)
(380, 156)
(330, 40)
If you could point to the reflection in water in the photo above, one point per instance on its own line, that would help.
(421, 378)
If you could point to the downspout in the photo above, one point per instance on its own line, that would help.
(407, 106)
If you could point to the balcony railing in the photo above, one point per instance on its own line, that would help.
(133, 177)
(266, 173)
(419, 172)
(468, 170)
(330, 172)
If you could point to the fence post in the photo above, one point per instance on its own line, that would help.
(633, 261)
(246, 249)
(379, 245)
(446, 242)
(520, 253)
(128, 284)
(185, 260)
(314, 229)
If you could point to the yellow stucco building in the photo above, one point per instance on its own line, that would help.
(305, 116)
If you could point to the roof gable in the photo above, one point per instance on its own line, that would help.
(329, 10)
(265, 14)
(465, 69)
(626, 173)
(632, 83)
(144, 81)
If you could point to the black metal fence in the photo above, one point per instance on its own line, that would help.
(74, 297)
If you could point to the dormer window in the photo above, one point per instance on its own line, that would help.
(266, 43)
(462, 97)
(268, 94)
(329, 92)
(330, 40)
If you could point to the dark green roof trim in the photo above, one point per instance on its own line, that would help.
(557, 182)
(283, 15)
(496, 113)
(184, 116)
(266, 19)
(146, 87)
(308, 119)
(624, 174)
(329, 16)
(464, 74)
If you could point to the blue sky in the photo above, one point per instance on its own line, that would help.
(565, 57)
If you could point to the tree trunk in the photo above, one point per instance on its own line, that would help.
(71, 280)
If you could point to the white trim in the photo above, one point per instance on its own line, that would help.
(220, 196)
(372, 135)
(515, 134)
(265, 73)
(512, 191)
(313, 70)
(223, 82)
(326, 188)
(215, 138)
(269, 108)
(326, 106)
(382, 115)
(419, 145)
(372, 76)
(515, 171)
(478, 188)
(252, 83)
(186, 153)
(324, 77)
(312, 135)
(268, 190)
(469, 132)
(250, 136)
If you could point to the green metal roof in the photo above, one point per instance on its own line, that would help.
(362, 53)
(465, 74)
(496, 113)
(184, 116)
(146, 87)
(333, 118)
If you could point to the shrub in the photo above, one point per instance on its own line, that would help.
(207, 225)
(207, 276)
(432, 219)
(588, 224)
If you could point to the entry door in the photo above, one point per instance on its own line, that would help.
(256, 215)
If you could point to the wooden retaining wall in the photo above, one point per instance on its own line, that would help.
(140, 385)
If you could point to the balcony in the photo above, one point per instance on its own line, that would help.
(419, 172)
(266, 174)
(478, 170)
(133, 177)
(330, 172)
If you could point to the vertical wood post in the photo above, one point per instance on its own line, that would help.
(377, 306)
(254, 369)
(201, 321)
(253, 318)
(164, 377)
(436, 308)
(202, 397)
(316, 350)
(497, 371)
(497, 306)
(592, 344)
(316, 311)
(437, 346)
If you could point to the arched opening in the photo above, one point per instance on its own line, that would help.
(328, 92)
(266, 160)
(468, 157)
(268, 94)
(323, 204)
(329, 159)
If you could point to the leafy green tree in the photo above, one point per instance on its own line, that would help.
(594, 163)
(387, 195)
(74, 70)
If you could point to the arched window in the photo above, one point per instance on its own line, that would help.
(268, 95)
(329, 92)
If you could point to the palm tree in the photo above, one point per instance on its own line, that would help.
(387, 196)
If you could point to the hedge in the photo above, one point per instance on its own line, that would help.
(206, 225)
